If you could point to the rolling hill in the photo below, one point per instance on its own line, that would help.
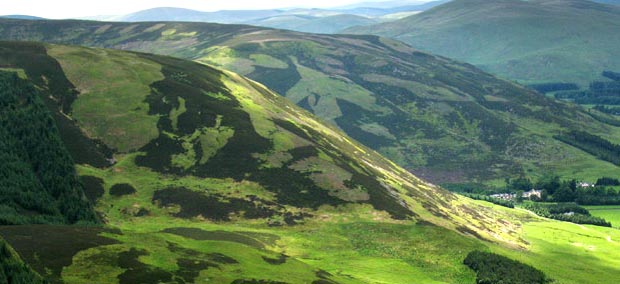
(298, 19)
(181, 14)
(542, 41)
(21, 17)
(304, 20)
(310, 24)
(611, 2)
(204, 176)
(441, 119)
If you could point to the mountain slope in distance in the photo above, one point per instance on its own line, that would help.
(443, 120)
(324, 25)
(181, 14)
(529, 41)
(22, 17)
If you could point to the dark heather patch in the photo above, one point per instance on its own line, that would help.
(189, 269)
(323, 281)
(138, 272)
(202, 235)
(352, 116)
(214, 207)
(305, 103)
(293, 219)
(468, 231)
(235, 160)
(291, 127)
(191, 262)
(379, 196)
(275, 261)
(220, 258)
(82, 149)
(433, 209)
(159, 153)
(324, 278)
(295, 188)
(142, 212)
(256, 281)
(279, 80)
(304, 152)
(47, 249)
(93, 187)
(193, 82)
(121, 189)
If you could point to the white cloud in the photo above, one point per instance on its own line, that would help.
(57, 9)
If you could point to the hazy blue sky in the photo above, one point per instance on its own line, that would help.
(56, 9)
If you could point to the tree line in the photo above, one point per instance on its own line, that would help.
(38, 181)
(598, 92)
(595, 145)
(493, 268)
(553, 87)
(483, 197)
(13, 270)
(569, 212)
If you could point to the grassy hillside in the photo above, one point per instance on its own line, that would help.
(570, 41)
(238, 185)
(443, 120)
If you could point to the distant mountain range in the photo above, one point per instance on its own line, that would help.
(530, 41)
(612, 2)
(303, 23)
(304, 20)
(22, 17)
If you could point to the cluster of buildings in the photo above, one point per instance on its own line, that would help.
(512, 196)
(534, 192)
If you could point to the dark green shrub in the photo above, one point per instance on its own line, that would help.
(497, 269)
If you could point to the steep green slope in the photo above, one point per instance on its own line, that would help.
(443, 120)
(38, 182)
(225, 151)
(211, 124)
(238, 185)
(529, 41)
